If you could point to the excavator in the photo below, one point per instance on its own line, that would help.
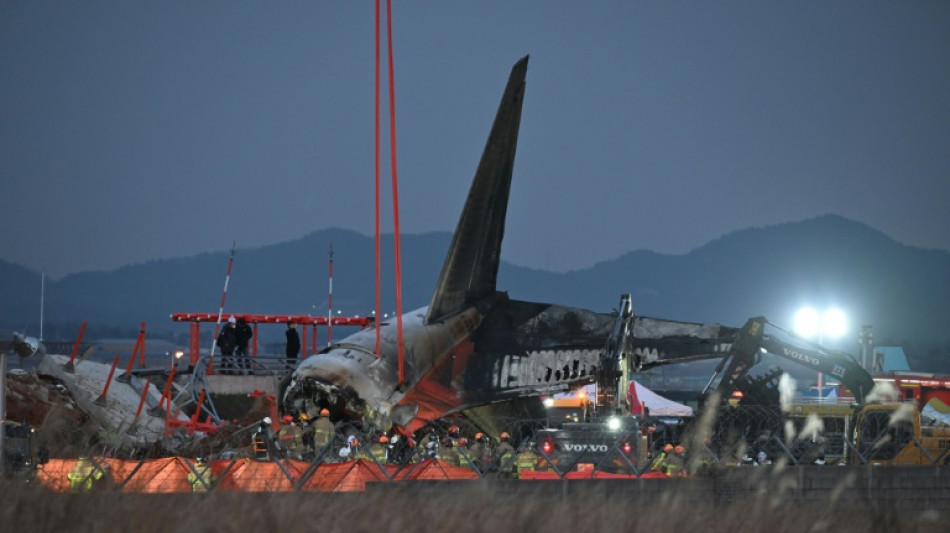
(880, 430)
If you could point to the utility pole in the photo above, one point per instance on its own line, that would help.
(865, 340)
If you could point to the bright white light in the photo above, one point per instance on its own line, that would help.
(834, 324)
(179, 354)
(549, 402)
(613, 423)
(806, 322)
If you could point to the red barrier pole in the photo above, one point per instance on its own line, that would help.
(127, 376)
(142, 401)
(157, 411)
(194, 418)
(101, 400)
(68, 367)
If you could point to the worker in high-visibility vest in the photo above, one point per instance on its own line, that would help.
(676, 463)
(465, 457)
(448, 453)
(378, 450)
(323, 430)
(83, 476)
(201, 477)
(505, 454)
(659, 462)
(290, 437)
(527, 459)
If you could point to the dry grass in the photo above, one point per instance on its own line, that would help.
(456, 507)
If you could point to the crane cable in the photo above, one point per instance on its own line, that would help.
(395, 183)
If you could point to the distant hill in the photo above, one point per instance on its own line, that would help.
(901, 290)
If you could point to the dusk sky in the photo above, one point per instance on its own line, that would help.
(132, 131)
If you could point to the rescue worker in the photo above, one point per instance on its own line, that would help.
(448, 452)
(429, 444)
(454, 432)
(264, 446)
(659, 462)
(83, 476)
(762, 459)
(480, 452)
(676, 463)
(323, 430)
(306, 436)
(290, 438)
(378, 451)
(506, 455)
(201, 477)
(466, 460)
(527, 459)
(227, 342)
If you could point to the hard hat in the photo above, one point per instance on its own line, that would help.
(668, 448)
(286, 419)
(384, 439)
(232, 320)
(679, 449)
(504, 435)
(324, 412)
(762, 456)
(267, 420)
(453, 431)
(351, 439)
(304, 417)
(463, 441)
(478, 436)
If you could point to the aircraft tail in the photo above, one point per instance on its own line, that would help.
(471, 266)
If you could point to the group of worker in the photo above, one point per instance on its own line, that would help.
(671, 460)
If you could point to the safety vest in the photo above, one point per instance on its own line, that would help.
(466, 459)
(505, 453)
(201, 482)
(260, 446)
(322, 433)
(658, 461)
(526, 460)
(378, 452)
(82, 476)
(451, 456)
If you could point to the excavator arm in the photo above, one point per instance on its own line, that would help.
(752, 341)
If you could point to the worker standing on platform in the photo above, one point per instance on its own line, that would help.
(659, 462)
(676, 463)
(379, 450)
(263, 440)
(227, 342)
(466, 460)
(244, 334)
(293, 343)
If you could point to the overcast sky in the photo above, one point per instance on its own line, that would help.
(132, 131)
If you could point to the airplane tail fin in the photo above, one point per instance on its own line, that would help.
(471, 266)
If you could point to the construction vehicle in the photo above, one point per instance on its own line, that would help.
(888, 432)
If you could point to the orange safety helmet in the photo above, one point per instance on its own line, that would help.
(324, 412)
(453, 431)
(287, 419)
(463, 442)
(504, 435)
(383, 439)
(478, 436)
(678, 450)
(668, 448)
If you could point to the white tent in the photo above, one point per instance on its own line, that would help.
(639, 396)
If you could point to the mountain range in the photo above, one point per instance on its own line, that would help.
(901, 290)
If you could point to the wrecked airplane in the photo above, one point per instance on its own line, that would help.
(472, 349)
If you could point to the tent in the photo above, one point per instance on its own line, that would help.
(639, 396)
(435, 469)
(344, 477)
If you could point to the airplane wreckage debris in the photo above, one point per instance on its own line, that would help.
(473, 347)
